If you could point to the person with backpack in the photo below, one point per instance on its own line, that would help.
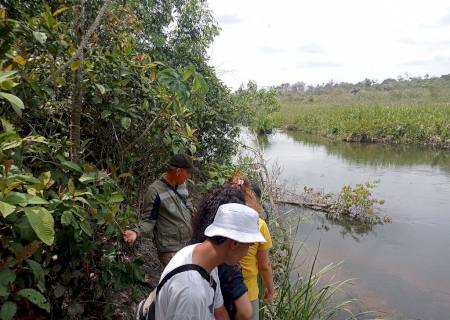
(191, 290)
(234, 290)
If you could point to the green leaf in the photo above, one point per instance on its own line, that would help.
(40, 36)
(6, 209)
(5, 75)
(60, 10)
(7, 276)
(100, 88)
(41, 220)
(28, 178)
(88, 177)
(38, 273)
(81, 199)
(23, 199)
(106, 113)
(187, 73)
(72, 165)
(197, 84)
(45, 178)
(16, 103)
(86, 227)
(7, 85)
(116, 197)
(67, 218)
(146, 105)
(8, 310)
(7, 126)
(35, 297)
(75, 65)
(125, 122)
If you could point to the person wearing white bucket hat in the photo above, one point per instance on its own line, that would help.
(185, 294)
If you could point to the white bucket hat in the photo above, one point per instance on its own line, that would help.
(237, 222)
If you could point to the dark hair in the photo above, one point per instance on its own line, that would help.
(217, 240)
(208, 208)
(256, 189)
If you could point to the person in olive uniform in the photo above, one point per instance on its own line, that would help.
(168, 210)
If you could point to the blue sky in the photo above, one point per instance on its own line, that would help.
(272, 42)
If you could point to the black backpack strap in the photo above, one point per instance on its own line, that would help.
(187, 267)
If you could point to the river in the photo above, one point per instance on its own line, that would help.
(401, 269)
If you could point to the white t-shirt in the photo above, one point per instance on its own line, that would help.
(187, 295)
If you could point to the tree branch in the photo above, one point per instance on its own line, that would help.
(85, 39)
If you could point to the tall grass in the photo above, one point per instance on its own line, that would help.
(370, 117)
(309, 297)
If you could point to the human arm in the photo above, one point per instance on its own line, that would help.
(265, 272)
(152, 203)
(221, 313)
(243, 306)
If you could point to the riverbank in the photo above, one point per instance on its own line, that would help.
(361, 120)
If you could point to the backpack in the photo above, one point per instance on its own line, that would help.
(146, 308)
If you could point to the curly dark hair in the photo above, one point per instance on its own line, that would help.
(208, 208)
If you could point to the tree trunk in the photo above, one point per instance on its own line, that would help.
(77, 94)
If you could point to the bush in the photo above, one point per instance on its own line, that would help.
(61, 232)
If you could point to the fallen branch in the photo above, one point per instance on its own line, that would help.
(316, 206)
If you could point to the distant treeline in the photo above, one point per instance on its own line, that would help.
(300, 88)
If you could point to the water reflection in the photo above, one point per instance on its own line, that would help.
(377, 154)
(347, 227)
(402, 268)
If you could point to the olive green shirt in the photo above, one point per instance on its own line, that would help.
(167, 215)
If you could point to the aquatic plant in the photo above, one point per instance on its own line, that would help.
(369, 118)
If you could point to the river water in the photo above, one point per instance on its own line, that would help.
(402, 269)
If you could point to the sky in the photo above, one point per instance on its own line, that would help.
(315, 41)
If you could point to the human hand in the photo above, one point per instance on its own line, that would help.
(268, 295)
(129, 236)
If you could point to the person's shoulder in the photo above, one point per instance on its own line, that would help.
(262, 224)
(182, 257)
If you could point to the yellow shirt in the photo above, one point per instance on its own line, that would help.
(249, 263)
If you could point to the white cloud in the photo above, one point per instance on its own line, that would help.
(314, 41)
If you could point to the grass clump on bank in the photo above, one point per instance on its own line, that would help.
(366, 119)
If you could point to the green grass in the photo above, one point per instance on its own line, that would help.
(308, 295)
(371, 117)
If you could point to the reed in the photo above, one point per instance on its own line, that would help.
(366, 119)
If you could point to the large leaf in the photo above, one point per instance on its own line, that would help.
(6, 209)
(72, 165)
(86, 227)
(42, 223)
(8, 310)
(23, 199)
(16, 103)
(35, 297)
(38, 273)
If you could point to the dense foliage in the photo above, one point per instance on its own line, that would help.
(87, 122)
(258, 106)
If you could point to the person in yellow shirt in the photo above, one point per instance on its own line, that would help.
(257, 260)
